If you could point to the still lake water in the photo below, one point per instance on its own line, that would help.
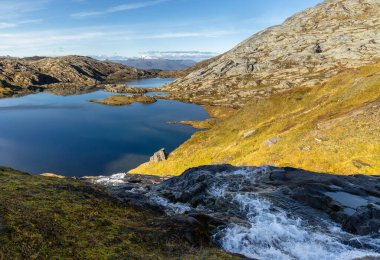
(73, 137)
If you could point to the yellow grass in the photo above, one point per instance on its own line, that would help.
(333, 128)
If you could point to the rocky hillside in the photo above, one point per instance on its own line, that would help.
(333, 127)
(306, 50)
(50, 218)
(35, 74)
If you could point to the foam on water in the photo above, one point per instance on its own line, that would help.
(113, 180)
(176, 208)
(273, 235)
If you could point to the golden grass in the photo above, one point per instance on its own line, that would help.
(122, 100)
(331, 128)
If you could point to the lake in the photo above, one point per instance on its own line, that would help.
(70, 136)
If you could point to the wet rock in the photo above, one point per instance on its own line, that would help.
(247, 210)
(293, 187)
(159, 156)
(365, 221)
(126, 180)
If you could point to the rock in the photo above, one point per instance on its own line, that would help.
(271, 141)
(249, 133)
(318, 48)
(126, 180)
(366, 220)
(305, 147)
(122, 88)
(251, 210)
(159, 156)
(360, 164)
(52, 175)
(63, 75)
(192, 230)
(306, 50)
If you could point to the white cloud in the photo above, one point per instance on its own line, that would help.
(119, 8)
(13, 9)
(6, 25)
(77, 41)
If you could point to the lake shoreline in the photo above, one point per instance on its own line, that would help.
(54, 113)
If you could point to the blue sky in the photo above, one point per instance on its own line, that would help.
(135, 27)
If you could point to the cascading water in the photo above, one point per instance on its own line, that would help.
(264, 219)
(271, 234)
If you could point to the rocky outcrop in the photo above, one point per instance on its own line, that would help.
(62, 74)
(159, 156)
(122, 88)
(306, 50)
(260, 211)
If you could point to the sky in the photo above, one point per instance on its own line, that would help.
(136, 28)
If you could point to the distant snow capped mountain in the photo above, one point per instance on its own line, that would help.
(163, 60)
(162, 64)
(179, 55)
(149, 63)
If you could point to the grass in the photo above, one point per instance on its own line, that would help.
(122, 100)
(51, 218)
(331, 128)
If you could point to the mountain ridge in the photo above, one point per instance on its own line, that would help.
(305, 95)
(306, 50)
(28, 75)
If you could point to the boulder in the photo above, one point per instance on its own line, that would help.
(159, 156)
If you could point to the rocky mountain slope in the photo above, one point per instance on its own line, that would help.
(306, 50)
(332, 128)
(305, 95)
(18, 76)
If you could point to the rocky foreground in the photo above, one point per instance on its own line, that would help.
(265, 212)
(305, 51)
(255, 212)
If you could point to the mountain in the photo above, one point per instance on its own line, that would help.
(161, 64)
(306, 50)
(305, 94)
(333, 127)
(18, 76)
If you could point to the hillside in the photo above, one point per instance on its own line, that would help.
(306, 50)
(333, 127)
(49, 218)
(19, 76)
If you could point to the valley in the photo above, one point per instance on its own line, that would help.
(270, 150)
